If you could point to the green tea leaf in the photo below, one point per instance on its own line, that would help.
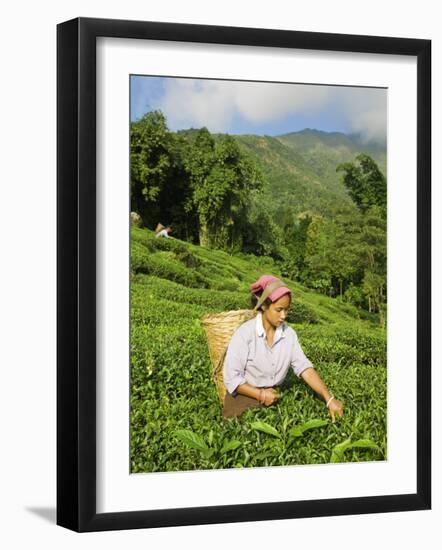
(230, 446)
(314, 423)
(335, 457)
(208, 452)
(296, 432)
(263, 455)
(365, 444)
(338, 451)
(192, 440)
(266, 428)
(357, 422)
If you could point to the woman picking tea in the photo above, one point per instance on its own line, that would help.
(261, 352)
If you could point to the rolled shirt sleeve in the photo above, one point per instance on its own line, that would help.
(235, 362)
(299, 361)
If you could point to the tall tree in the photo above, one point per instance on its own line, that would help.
(222, 178)
(150, 163)
(375, 257)
(261, 235)
(295, 239)
(199, 163)
(366, 184)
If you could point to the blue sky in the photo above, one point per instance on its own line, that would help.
(241, 107)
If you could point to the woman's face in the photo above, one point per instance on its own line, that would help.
(276, 313)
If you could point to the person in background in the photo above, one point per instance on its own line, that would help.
(164, 232)
(262, 351)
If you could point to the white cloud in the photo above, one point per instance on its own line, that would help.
(365, 111)
(259, 102)
(197, 103)
(214, 104)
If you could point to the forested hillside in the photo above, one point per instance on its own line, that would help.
(323, 151)
(291, 181)
(313, 202)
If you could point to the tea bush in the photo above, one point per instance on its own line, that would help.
(175, 415)
(301, 313)
(163, 265)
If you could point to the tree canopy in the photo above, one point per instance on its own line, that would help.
(366, 184)
(201, 184)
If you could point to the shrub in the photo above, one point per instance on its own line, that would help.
(301, 313)
(163, 266)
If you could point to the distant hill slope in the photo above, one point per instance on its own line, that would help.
(292, 180)
(218, 281)
(300, 167)
(323, 151)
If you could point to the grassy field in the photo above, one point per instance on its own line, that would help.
(176, 421)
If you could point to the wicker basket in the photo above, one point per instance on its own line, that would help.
(219, 329)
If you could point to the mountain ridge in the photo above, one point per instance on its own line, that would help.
(300, 167)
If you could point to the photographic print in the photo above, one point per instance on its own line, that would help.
(258, 274)
(222, 294)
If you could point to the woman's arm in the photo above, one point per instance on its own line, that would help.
(265, 396)
(312, 378)
(234, 371)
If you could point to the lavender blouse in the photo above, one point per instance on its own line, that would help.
(251, 360)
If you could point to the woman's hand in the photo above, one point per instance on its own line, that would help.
(335, 408)
(269, 396)
(312, 378)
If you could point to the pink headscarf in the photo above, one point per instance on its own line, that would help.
(265, 280)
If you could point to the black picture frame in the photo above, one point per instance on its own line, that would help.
(77, 287)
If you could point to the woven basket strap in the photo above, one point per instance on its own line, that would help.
(267, 291)
(220, 364)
